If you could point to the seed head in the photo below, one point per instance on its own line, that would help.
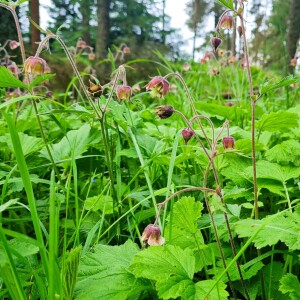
(228, 142)
(158, 86)
(164, 111)
(95, 89)
(36, 65)
(215, 42)
(152, 236)
(187, 134)
(123, 92)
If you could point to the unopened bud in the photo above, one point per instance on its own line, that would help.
(215, 42)
(187, 134)
(164, 111)
(240, 30)
(228, 142)
(13, 45)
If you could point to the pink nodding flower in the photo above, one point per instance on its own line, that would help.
(158, 86)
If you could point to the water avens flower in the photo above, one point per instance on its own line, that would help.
(123, 92)
(158, 86)
(81, 44)
(228, 142)
(36, 65)
(152, 236)
(95, 89)
(164, 111)
(13, 45)
(227, 21)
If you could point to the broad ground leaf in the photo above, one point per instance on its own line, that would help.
(203, 287)
(74, 144)
(274, 171)
(172, 267)
(272, 275)
(290, 284)
(104, 274)
(8, 80)
(287, 151)
(281, 121)
(284, 228)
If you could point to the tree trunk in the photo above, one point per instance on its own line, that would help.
(102, 40)
(163, 32)
(293, 32)
(85, 10)
(35, 37)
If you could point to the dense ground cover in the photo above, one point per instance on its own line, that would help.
(108, 195)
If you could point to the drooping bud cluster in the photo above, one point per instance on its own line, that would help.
(36, 65)
(228, 142)
(158, 86)
(152, 236)
(164, 111)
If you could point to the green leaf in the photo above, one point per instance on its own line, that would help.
(104, 274)
(7, 204)
(269, 86)
(204, 286)
(8, 80)
(290, 284)
(274, 171)
(39, 79)
(281, 121)
(100, 202)
(284, 228)
(287, 151)
(172, 267)
(227, 3)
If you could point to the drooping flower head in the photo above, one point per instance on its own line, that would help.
(123, 92)
(158, 86)
(95, 89)
(226, 21)
(152, 236)
(36, 65)
(164, 111)
(187, 134)
(81, 44)
(228, 142)
(13, 45)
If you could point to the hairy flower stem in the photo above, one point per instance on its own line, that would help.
(253, 102)
(211, 161)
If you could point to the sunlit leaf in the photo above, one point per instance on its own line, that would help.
(8, 80)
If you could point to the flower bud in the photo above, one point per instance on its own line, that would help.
(164, 111)
(158, 86)
(293, 62)
(14, 45)
(215, 42)
(123, 92)
(226, 21)
(152, 236)
(95, 89)
(36, 65)
(126, 50)
(136, 88)
(187, 133)
(13, 68)
(231, 59)
(240, 31)
(91, 56)
(49, 94)
(228, 142)
(81, 44)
